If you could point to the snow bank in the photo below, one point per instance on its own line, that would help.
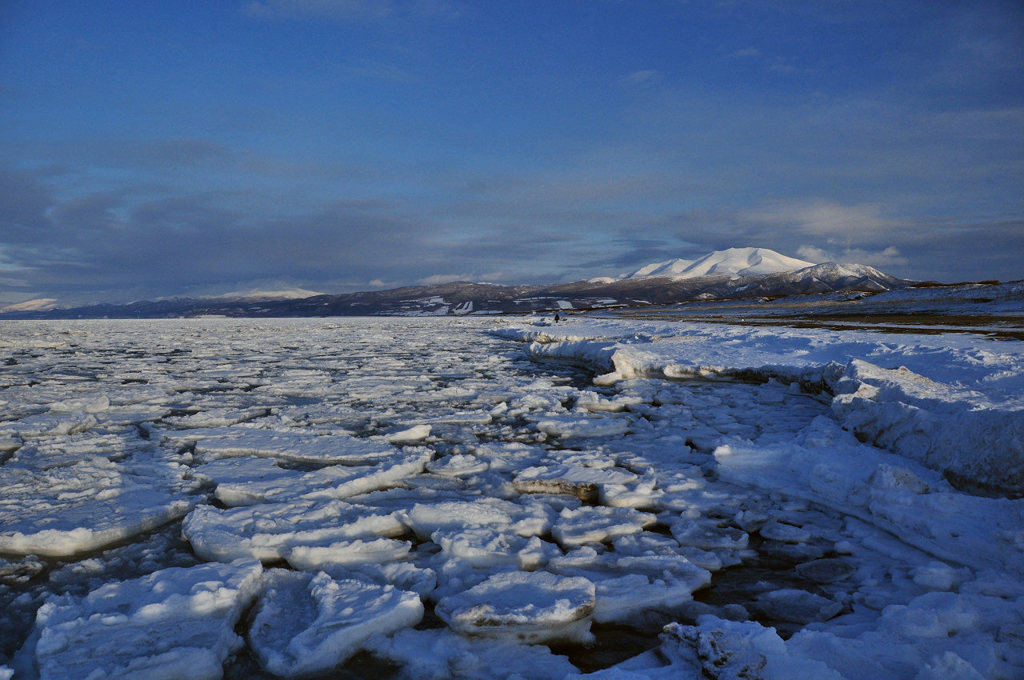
(962, 432)
(828, 466)
(952, 402)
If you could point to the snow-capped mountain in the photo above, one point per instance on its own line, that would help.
(729, 262)
(36, 305)
(258, 295)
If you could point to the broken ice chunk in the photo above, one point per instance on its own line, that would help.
(826, 570)
(241, 471)
(527, 607)
(347, 553)
(459, 465)
(935, 576)
(479, 546)
(796, 606)
(440, 653)
(589, 524)
(402, 575)
(482, 547)
(331, 482)
(641, 495)
(577, 480)
(708, 536)
(215, 417)
(48, 424)
(335, 449)
(91, 403)
(307, 624)
(718, 648)
(948, 666)
(631, 588)
(591, 401)
(266, 531)
(785, 533)
(413, 434)
(564, 427)
(523, 519)
(173, 623)
(70, 508)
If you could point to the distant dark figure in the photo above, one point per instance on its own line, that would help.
(557, 318)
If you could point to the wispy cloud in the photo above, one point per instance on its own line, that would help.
(444, 278)
(330, 9)
(823, 218)
(885, 258)
(745, 53)
(347, 10)
(644, 77)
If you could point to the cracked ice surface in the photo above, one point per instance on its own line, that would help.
(428, 500)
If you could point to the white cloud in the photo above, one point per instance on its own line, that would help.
(437, 279)
(824, 218)
(645, 77)
(348, 10)
(887, 257)
(746, 52)
(332, 9)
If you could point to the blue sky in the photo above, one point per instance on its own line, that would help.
(163, 148)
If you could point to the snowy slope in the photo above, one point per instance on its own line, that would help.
(729, 262)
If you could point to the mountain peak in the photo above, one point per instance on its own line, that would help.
(728, 262)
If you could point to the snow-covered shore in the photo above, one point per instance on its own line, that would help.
(952, 402)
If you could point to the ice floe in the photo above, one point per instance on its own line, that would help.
(265, 531)
(85, 493)
(436, 498)
(525, 607)
(173, 623)
(307, 624)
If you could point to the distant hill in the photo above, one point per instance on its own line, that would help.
(736, 273)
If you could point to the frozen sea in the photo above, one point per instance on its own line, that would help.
(495, 498)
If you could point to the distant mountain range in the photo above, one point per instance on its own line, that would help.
(736, 273)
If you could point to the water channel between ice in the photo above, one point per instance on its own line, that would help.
(623, 475)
